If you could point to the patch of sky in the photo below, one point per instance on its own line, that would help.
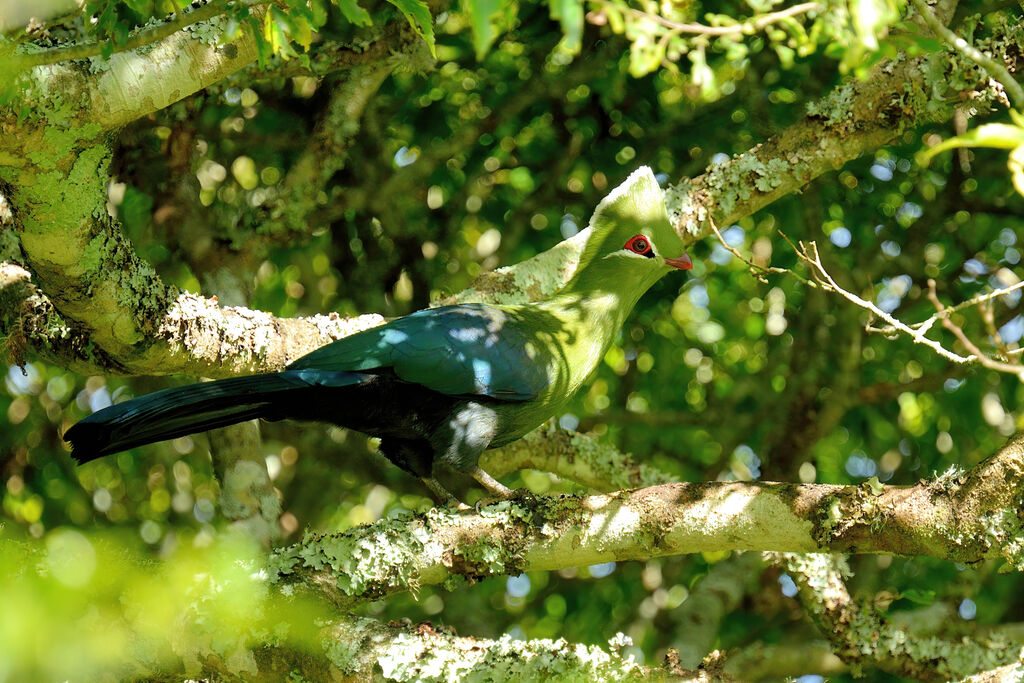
(746, 456)
(788, 585)
(858, 465)
(1010, 299)
(892, 292)
(599, 571)
(841, 237)
(1012, 331)
(719, 255)
(518, 586)
(568, 226)
(952, 384)
(20, 382)
(975, 267)
(909, 211)
(405, 156)
(891, 249)
(734, 236)
(698, 294)
(881, 172)
(100, 399)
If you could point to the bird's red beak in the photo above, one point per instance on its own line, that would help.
(682, 263)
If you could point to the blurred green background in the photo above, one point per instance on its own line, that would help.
(481, 163)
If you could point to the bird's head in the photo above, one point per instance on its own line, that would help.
(630, 233)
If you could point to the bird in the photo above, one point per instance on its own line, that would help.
(441, 385)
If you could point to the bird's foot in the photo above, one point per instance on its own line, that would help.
(493, 486)
(443, 495)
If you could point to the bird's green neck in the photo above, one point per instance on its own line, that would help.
(592, 307)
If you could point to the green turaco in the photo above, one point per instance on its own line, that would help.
(442, 384)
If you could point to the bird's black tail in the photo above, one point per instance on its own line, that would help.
(176, 412)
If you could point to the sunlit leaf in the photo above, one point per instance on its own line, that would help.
(482, 15)
(353, 12)
(569, 13)
(419, 18)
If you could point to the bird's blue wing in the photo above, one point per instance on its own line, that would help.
(470, 349)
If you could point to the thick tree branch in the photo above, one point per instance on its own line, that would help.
(959, 517)
(364, 648)
(859, 634)
(570, 455)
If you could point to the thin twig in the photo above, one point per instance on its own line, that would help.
(757, 270)
(925, 325)
(995, 69)
(809, 253)
(980, 357)
(143, 37)
(752, 25)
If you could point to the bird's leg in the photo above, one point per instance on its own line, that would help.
(493, 486)
(443, 495)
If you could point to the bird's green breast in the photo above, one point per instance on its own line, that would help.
(570, 335)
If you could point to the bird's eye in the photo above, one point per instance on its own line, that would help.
(638, 244)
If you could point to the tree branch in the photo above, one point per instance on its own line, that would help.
(958, 517)
(573, 456)
(997, 70)
(142, 37)
(364, 648)
(860, 635)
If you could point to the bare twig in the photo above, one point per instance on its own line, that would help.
(980, 298)
(752, 25)
(757, 270)
(990, 363)
(917, 332)
(809, 253)
(996, 70)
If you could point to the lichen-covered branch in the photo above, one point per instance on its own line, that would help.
(1010, 672)
(55, 171)
(196, 336)
(577, 457)
(959, 517)
(29, 321)
(364, 648)
(860, 635)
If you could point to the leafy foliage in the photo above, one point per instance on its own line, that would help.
(492, 157)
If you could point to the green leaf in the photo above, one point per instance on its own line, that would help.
(482, 15)
(319, 10)
(356, 15)
(919, 596)
(996, 135)
(418, 14)
(263, 51)
(303, 34)
(569, 13)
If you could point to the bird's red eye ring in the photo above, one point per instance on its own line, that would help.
(639, 244)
